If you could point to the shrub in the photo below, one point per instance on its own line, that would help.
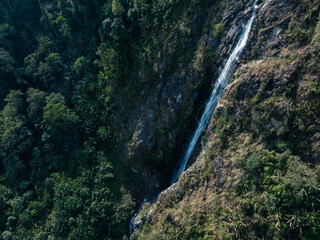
(218, 30)
(297, 33)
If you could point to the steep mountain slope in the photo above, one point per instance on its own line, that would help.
(258, 173)
(99, 99)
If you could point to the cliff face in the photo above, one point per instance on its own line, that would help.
(257, 175)
(155, 129)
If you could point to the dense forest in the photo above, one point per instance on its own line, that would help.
(63, 65)
(98, 99)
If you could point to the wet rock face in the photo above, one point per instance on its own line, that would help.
(175, 97)
(141, 125)
(155, 124)
(232, 35)
(138, 221)
(143, 136)
(171, 100)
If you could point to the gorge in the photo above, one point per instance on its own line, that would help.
(188, 119)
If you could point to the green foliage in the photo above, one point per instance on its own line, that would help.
(75, 69)
(33, 60)
(13, 131)
(218, 30)
(36, 100)
(7, 62)
(5, 31)
(54, 62)
(60, 121)
(297, 33)
(63, 26)
(254, 167)
(200, 5)
(117, 8)
(50, 70)
(80, 66)
(36, 209)
(316, 36)
(118, 34)
(290, 188)
(224, 127)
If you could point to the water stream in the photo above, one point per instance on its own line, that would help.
(221, 83)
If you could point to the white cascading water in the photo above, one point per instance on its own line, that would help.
(217, 91)
(220, 85)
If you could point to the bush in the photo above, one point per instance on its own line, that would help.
(254, 167)
(218, 30)
(297, 33)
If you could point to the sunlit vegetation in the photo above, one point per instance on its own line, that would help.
(70, 73)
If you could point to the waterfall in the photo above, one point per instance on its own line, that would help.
(221, 83)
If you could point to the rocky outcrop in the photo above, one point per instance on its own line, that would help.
(154, 125)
